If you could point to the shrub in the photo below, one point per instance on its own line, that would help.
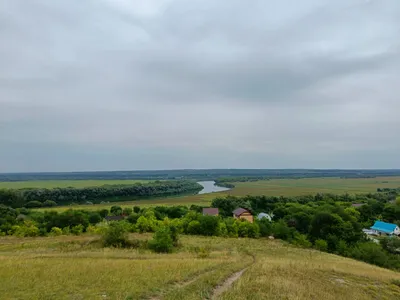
(127, 211)
(66, 230)
(371, 253)
(55, 231)
(282, 231)
(115, 235)
(209, 225)
(203, 252)
(194, 227)
(116, 210)
(301, 241)
(162, 241)
(77, 230)
(321, 245)
(265, 227)
(49, 203)
(94, 218)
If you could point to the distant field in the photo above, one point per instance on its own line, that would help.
(75, 267)
(63, 183)
(294, 187)
(276, 187)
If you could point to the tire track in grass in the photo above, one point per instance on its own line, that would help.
(223, 287)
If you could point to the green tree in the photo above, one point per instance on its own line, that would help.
(162, 241)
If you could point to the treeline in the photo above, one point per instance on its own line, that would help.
(38, 197)
(325, 222)
(211, 174)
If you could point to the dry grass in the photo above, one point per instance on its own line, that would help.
(74, 268)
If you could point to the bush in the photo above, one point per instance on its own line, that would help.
(203, 252)
(94, 218)
(26, 230)
(282, 231)
(49, 203)
(265, 227)
(77, 230)
(321, 245)
(194, 227)
(116, 210)
(162, 241)
(371, 253)
(55, 231)
(115, 235)
(209, 225)
(301, 241)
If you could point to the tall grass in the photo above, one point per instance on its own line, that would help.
(68, 267)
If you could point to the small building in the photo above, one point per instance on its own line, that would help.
(210, 211)
(380, 228)
(245, 214)
(264, 216)
(114, 218)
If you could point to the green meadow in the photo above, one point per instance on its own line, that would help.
(49, 184)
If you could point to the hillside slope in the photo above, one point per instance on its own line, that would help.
(70, 267)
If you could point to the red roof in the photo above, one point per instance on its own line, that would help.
(210, 211)
(239, 211)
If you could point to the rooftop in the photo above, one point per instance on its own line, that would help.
(239, 211)
(384, 227)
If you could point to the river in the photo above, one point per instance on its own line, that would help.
(210, 187)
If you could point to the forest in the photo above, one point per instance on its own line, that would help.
(38, 197)
(324, 221)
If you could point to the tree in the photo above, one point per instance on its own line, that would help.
(162, 241)
(116, 210)
(94, 218)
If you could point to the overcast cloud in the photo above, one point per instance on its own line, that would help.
(160, 84)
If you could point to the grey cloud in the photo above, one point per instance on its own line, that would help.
(181, 84)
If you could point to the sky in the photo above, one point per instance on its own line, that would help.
(171, 84)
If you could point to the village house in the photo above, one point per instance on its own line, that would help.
(241, 213)
(380, 228)
(210, 211)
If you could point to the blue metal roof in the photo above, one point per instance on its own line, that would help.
(384, 227)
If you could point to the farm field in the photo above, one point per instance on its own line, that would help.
(276, 187)
(49, 184)
(295, 187)
(77, 268)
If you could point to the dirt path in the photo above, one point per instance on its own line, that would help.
(227, 284)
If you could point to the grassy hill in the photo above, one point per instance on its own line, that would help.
(76, 267)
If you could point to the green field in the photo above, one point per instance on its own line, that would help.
(49, 184)
(295, 187)
(276, 187)
(76, 267)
